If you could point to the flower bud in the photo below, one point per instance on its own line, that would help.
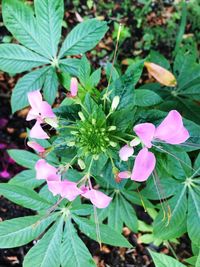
(81, 164)
(81, 116)
(112, 128)
(136, 141)
(115, 103)
(74, 87)
(113, 144)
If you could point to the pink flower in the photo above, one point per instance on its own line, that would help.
(46, 171)
(144, 165)
(98, 199)
(69, 190)
(124, 175)
(5, 174)
(42, 112)
(125, 152)
(171, 130)
(37, 147)
(74, 87)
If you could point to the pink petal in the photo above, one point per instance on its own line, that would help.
(54, 187)
(38, 132)
(4, 174)
(98, 199)
(171, 129)
(145, 131)
(45, 171)
(37, 147)
(74, 86)
(124, 175)
(69, 190)
(33, 114)
(46, 110)
(35, 99)
(125, 152)
(144, 165)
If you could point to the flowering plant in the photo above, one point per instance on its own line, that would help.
(88, 146)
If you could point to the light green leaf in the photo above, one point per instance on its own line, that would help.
(162, 260)
(50, 87)
(115, 220)
(108, 235)
(70, 65)
(83, 37)
(193, 220)
(20, 231)
(146, 98)
(19, 18)
(47, 251)
(30, 82)
(15, 58)
(128, 214)
(49, 16)
(24, 158)
(26, 179)
(95, 78)
(27, 198)
(84, 70)
(74, 252)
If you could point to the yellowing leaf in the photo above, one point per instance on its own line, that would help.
(162, 75)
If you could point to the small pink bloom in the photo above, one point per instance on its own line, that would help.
(124, 175)
(54, 184)
(144, 165)
(125, 152)
(37, 132)
(37, 147)
(46, 171)
(39, 109)
(98, 199)
(171, 130)
(74, 87)
(145, 131)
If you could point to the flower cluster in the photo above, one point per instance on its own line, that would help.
(171, 131)
(67, 189)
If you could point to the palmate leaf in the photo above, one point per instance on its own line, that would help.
(108, 235)
(20, 231)
(73, 251)
(26, 179)
(146, 98)
(16, 58)
(193, 220)
(177, 224)
(24, 158)
(47, 251)
(162, 260)
(50, 86)
(27, 198)
(70, 65)
(20, 21)
(83, 37)
(49, 15)
(30, 82)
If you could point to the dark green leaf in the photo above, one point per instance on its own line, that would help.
(24, 158)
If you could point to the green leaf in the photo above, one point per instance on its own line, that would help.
(108, 235)
(173, 227)
(83, 37)
(84, 70)
(193, 220)
(162, 260)
(128, 214)
(49, 16)
(15, 58)
(115, 220)
(73, 251)
(146, 98)
(19, 18)
(30, 82)
(47, 251)
(26, 179)
(25, 197)
(24, 158)
(20, 231)
(50, 87)
(159, 59)
(70, 65)
(95, 78)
